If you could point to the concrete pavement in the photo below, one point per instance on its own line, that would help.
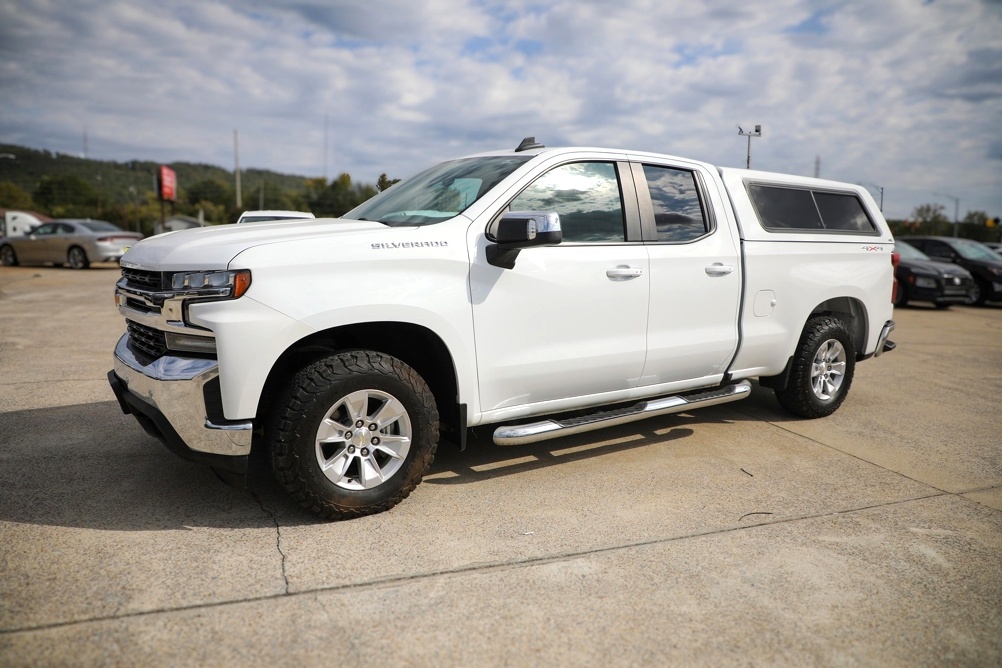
(735, 535)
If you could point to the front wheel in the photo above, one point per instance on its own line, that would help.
(822, 370)
(8, 257)
(353, 434)
(978, 294)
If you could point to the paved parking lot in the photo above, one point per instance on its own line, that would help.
(735, 535)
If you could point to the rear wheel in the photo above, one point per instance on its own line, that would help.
(8, 257)
(353, 434)
(77, 258)
(822, 370)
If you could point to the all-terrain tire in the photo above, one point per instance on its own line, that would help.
(353, 434)
(822, 369)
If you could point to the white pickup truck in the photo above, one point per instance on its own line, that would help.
(546, 291)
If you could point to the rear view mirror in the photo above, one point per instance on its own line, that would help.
(522, 229)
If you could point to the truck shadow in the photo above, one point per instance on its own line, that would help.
(90, 466)
(483, 460)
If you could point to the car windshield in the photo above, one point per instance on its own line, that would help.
(439, 193)
(100, 226)
(909, 252)
(974, 250)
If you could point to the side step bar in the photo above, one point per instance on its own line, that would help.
(520, 434)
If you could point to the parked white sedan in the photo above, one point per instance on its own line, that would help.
(76, 242)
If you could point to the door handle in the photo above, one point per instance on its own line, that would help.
(719, 269)
(624, 271)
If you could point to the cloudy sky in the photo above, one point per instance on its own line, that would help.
(900, 94)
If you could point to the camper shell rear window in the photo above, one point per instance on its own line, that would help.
(787, 208)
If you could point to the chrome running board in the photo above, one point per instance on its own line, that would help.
(520, 434)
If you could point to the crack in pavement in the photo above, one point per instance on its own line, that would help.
(278, 537)
(479, 567)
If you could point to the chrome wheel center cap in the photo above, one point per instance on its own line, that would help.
(361, 437)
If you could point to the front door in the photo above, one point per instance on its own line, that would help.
(568, 320)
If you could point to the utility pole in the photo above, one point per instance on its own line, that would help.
(817, 166)
(956, 212)
(756, 133)
(236, 166)
(325, 147)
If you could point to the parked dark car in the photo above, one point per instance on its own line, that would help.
(73, 242)
(924, 280)
(977, 258)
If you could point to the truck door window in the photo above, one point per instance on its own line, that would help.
(587, 197)
(678, 213)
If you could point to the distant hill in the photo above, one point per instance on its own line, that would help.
(122, 183)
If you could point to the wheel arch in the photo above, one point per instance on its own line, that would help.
(415, 345)
(849, 310)
(853, 313)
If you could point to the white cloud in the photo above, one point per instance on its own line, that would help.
(902, 94)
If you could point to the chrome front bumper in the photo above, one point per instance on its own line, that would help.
(173, 389)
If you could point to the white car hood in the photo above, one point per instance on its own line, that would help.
(213, 247)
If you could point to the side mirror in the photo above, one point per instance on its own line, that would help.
(522, 229)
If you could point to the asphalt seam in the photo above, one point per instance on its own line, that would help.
(487, 567)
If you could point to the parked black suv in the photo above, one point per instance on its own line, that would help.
(924, 280)
(974, 256)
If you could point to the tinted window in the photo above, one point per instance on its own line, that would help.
(47, 228)
(586, 195)
(935, 248)
(803, 209)
(785, 208)
(675, 197)
(842, 212)
(101, 226)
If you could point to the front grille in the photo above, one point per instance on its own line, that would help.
(142, 279)
(149, 341)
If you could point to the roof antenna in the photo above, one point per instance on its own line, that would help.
(527, 144)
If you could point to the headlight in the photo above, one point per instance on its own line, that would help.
(220, 284)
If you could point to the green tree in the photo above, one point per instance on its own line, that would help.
(930, 214)
(209, 190)
(383, 182)
(13, 197)
(975, 218)
(65, 195)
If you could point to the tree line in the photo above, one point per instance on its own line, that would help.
(63, 186)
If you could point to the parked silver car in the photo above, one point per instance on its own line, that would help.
(73, 242)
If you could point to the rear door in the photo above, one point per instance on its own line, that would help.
(692, 332)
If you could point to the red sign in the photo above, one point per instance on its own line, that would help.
(167, 181)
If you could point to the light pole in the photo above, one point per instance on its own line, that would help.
(880, 188)
(956, 210)
(756, 133)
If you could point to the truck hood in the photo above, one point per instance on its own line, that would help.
(213, 247)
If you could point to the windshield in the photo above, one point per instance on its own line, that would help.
(974, 250)
(908, 252)
(439, 193)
